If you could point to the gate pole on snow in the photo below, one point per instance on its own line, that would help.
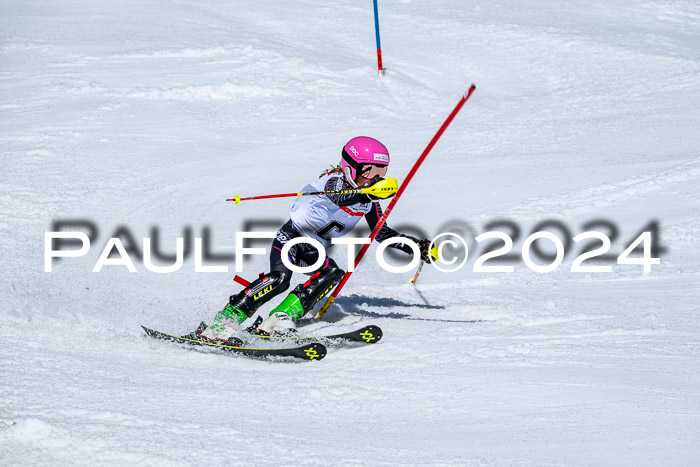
(379, 44)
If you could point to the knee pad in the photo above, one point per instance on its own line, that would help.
(260, 291)
(318, 286)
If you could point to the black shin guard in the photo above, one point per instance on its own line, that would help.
(318, 286)
(260, 291)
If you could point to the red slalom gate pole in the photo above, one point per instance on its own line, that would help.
(402, 188)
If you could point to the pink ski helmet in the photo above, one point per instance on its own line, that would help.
(361, 151)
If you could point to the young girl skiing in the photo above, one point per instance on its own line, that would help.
(321, 217)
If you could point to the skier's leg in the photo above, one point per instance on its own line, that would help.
(303, 298)
(318, 286)
(245, 303)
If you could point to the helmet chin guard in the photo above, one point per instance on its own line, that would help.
(348, 177)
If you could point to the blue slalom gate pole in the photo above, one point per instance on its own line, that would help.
(379, 44)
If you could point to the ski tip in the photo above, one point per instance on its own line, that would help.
(153, 333)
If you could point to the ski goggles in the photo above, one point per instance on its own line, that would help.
(369, 171)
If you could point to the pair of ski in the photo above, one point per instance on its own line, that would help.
(312, 348)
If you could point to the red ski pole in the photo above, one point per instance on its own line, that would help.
(382, 189)
(402, 188)
(414, 279)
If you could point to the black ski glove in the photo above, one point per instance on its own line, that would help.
(427, 254)
(379, 198)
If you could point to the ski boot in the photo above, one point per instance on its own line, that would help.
(244, 304)
(300, 301)
(197, 336)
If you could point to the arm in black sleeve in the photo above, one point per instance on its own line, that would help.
(337, 184)
(385, 232)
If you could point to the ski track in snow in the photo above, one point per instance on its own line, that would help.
(150, 115)
(592, 199)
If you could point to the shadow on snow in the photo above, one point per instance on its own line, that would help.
(352, 305)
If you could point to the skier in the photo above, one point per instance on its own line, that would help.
(364, 163)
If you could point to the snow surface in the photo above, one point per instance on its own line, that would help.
(151, 113)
